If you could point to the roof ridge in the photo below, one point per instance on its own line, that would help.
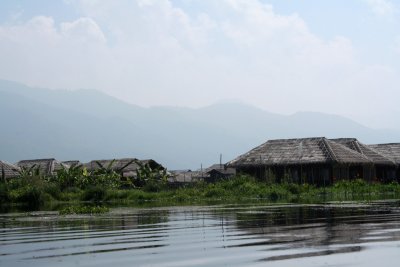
(383, 144)
(116, 159)
(27, 160)
(350, 150)
(329, 149)
(357, 147)
(293, 139)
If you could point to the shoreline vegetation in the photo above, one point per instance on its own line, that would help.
(96, 190)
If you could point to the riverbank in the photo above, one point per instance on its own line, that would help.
(38, 192)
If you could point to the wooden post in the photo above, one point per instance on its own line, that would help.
(301, 174)
(312, 175)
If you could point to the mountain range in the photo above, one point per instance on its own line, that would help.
(88, 124)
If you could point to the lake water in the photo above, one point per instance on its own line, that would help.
(224, 235)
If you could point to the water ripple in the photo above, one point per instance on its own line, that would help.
(232, 235)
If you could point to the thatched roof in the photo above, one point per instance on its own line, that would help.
(375, 156)
(221, 168)
(127, 166)
(225, 172)
(315, 150)
(9, 170)
(130, 164)
(46, 166)
(391, 151)
(216, 166)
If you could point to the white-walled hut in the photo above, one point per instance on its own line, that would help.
(315, 160)
(182, 177)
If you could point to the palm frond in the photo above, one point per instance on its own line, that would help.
(99, 164)
(109, 166)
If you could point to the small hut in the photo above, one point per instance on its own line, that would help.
(315, 160)
(46, 167)
(8, 171)
(218, 172)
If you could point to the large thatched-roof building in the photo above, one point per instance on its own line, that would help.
(45, 166)
(316, 160)
(8, 170)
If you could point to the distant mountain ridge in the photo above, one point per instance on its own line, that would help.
(87, 124)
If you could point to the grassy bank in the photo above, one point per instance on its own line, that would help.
(36, 191)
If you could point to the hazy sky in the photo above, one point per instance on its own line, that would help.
(333, 56)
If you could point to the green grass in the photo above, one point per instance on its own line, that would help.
(37, 191)
(244, 188)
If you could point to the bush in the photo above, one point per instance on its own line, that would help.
(4, 193)
(72, 189)
(215, 192)
(115, 194)
(273, 195)
(53, 190)
(33, 196)
(292, 188)
(32, 190)
(154, 186)
(94, 193)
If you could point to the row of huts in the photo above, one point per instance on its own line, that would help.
(320, 160)
(127, 167)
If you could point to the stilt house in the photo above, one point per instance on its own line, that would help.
(315, 160)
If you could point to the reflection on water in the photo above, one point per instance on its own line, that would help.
(225, 235)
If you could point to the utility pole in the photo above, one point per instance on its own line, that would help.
(201, 170)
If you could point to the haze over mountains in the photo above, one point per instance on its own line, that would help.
(87, 124)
